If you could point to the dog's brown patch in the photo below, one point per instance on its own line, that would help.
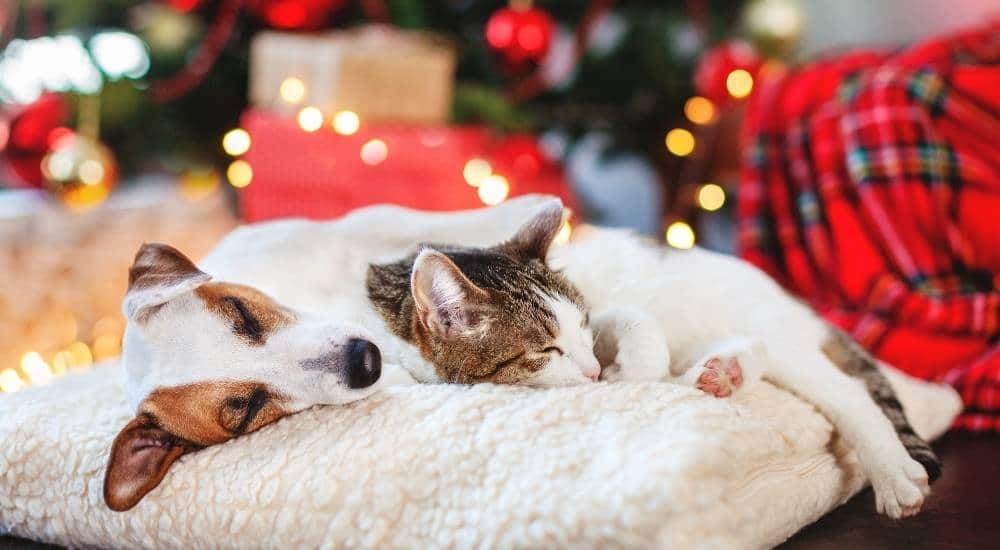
(252, 314)
(179, 420)
(208, 413)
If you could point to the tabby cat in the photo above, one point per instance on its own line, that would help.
(612, 305)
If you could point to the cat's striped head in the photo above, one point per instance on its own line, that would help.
(501, 314)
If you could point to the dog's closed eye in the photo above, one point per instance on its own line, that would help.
(239, 412)
(245, 323)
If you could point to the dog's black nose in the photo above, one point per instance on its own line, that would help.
(364, 363)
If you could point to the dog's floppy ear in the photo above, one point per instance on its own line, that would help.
(158, 274)
(140, 457)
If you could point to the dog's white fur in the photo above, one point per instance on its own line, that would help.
(705, 305)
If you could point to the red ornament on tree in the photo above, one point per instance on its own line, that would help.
(716, 66)
(294, 14)
(520, 157)
(521, 34)
(28, 136)
(184, 5)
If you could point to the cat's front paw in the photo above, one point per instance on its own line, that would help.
(637, 363)
(721, 376)
(900, 488)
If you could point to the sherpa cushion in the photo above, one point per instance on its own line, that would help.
(622, 465)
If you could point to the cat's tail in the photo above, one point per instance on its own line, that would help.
(851, 358)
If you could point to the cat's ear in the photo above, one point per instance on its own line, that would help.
(533, 239)
(446, 300)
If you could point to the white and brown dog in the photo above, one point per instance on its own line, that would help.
(261, 330)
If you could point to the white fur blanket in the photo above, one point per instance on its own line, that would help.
(624, 465)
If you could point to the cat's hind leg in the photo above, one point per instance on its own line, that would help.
(900, 482)
(724, 368)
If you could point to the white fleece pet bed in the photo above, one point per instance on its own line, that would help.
(624, 465)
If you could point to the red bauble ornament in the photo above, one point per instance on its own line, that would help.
(184, 5)
(716, 64)
(520, 157)
(28, 132)
(294, 14)
(521, 36)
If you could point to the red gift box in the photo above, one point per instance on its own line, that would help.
(323, 174)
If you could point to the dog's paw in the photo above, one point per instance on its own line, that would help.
(720, 376)
(900, 488)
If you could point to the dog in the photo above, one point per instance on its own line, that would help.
(261, 329)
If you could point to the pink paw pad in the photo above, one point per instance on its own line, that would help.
(721, 377)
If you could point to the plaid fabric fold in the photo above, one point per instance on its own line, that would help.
(871, 187)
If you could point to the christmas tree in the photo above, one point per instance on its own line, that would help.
(164, 80)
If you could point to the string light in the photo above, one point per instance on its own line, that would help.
(711, 197)
(680, 235)
(292, 90)
(10, 381)
(699, 110)
(564, 233)
(197, 183)
(106, 346)
(739, 83)
(346, 123)
(680, 142)
(236, 142)
(82, 357)
(239, 173)
(61, 362)
(374, 151)
(91, 172)
(493, 189)
(310, 119)
(35, 368)
(475, 171)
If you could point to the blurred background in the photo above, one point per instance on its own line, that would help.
(176, 120)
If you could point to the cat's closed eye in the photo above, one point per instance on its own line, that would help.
(555, 349)
(509, 362)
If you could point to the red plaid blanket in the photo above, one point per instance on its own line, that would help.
(871, 187)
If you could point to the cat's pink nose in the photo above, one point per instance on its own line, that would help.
(590, 368)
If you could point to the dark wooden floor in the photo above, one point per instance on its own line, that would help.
(962, 513)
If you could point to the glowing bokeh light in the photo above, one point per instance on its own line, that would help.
(680, 142)
(82, 357)
(739, 83)
(699, 110)
(711, 197)
(91, 172)
(374, 151)
(35, 368)
(236, 142)
(310, 119)
(292, 90)
(680, 235)
(493, 189)
(475, 171)
(346, 123)
(239, 174)
(10, 381)
(119, 54)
